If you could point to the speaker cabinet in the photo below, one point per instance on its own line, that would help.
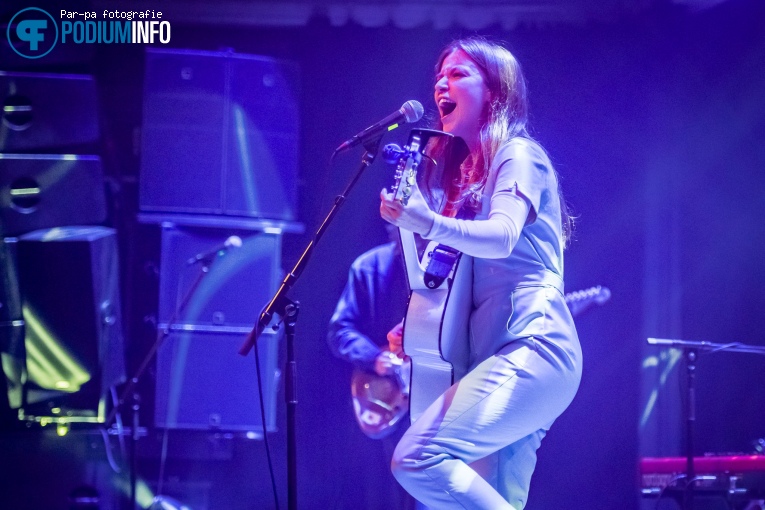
(69, 284)
(11, 327)
(10, 299)
(47, 112)
(39, 191)
(235, 287)
(202, 382)
(220, 135)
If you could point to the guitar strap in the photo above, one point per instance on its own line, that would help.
(440, 265)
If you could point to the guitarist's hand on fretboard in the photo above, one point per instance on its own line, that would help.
(386, 363)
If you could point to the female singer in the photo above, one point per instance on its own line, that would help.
(526, 362)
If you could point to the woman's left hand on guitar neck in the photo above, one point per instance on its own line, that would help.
(416, 216)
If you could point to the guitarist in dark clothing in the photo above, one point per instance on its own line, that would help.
(373, 302)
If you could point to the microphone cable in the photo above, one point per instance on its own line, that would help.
(265, 429)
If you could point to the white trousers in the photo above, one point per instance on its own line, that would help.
(475, 447)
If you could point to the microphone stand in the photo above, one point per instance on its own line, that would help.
(691, 353)
(130, 388)
(288, 309)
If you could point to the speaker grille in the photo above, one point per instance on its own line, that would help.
(220, 135)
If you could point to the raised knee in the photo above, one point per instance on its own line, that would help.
(405, 460)
(397, 463)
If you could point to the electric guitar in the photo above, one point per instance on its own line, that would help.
(580, 300)
(440, 299)
(435, 335)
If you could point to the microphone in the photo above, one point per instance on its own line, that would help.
(411, 111)
(231, 242)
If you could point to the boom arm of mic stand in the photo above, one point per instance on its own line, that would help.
(287, 309)
(280, 300)
(278, 305)
(132, 384)
(707, 346)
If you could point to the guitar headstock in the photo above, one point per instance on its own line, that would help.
(408, 162)
(404, 178)
(580, 300)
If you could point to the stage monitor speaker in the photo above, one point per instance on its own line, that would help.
(204, 384)
(47, 112)
(69, 282)
(237, 285)
(220, 135)
(39, 191)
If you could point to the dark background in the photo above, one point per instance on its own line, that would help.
(655, 122)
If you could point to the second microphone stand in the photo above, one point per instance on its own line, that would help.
(130, 389)
(691, 350)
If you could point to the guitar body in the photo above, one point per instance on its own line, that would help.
(380, 402)
(436, 337)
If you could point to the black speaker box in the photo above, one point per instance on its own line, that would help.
(47, 112)
(69, 284)
(203, 383)
(10, 299)
(11, 329)
(220, 135)
(39, 191)
(233, 290)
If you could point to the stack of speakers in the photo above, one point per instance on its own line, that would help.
(218, 162)
(60, 326)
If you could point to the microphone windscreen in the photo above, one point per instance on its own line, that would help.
(412, 110)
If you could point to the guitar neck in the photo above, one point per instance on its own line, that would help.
(580, 300)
